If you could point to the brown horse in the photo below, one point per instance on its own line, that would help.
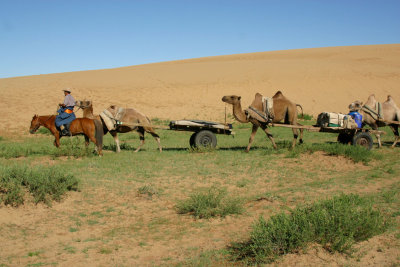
(91, 129)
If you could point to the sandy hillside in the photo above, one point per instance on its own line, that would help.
(320, 79)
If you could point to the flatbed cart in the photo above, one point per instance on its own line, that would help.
(357, 136)
(204, 132)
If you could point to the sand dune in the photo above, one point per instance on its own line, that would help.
(320, 79)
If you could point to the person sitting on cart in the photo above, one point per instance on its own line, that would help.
(66, 113)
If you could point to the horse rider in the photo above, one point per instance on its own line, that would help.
(66, 113)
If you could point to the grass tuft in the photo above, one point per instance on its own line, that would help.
(305, 117)
(43, 130)
(336, 224)
(44, 184)
(355, 153)
(210, 202)
(148, 190)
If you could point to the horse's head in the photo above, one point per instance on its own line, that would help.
(355, 106)
(231, 99)
(35, 124)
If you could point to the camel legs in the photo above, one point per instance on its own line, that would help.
(141, 134)
(116, 140)
(301, 133)
(295, 135)
(269, 136)
(395, 130)
(251, 139)
(157, 139)
(378, 136)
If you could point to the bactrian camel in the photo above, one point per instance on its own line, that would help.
(390, 112)
(284, 110)
(131, 118)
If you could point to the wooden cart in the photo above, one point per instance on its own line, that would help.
(357, 136)
(204, 132)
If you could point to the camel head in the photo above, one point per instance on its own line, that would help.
(355, 106)
(83, 103)
(231, 99)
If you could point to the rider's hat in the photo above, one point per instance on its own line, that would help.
(67, 90)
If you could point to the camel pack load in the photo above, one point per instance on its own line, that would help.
(267, 115)
(332, 119)
(111, 120)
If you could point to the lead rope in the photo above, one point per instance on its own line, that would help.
(225, 118)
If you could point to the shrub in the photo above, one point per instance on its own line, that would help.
(72, 147)
(210, 202)
(44, 184)
(336, 224)
(16, 150)
(306, 117)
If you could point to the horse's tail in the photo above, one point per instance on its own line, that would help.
(98, 133)
(302, 113)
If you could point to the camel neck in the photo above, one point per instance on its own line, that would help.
(88, 113)
(239, 114)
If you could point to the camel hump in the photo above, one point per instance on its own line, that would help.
(371, 97)
(278, 94)
(258, 97)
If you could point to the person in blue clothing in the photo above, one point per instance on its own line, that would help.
(66, 113)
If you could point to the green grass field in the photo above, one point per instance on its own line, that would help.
(175, 207)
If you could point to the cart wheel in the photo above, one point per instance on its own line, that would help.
(344, 138)
(205, 138)
(191, 141)
(363, 139)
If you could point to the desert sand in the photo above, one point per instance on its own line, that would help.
(320, 79)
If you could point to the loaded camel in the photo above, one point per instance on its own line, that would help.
(390, 115)
(283, 110)
(133, 121)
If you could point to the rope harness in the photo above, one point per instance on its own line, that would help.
(376, 113)
(266, 116)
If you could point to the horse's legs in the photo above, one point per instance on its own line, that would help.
(86, 141)
(97, 148)
(57, 140)
(395, 129)
(251, 139)
(116, 140)
(269, 136)
(141, 134)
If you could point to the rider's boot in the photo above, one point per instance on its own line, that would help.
(67, 131)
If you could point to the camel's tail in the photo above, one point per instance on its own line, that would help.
(99, 134)
(302, 113)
